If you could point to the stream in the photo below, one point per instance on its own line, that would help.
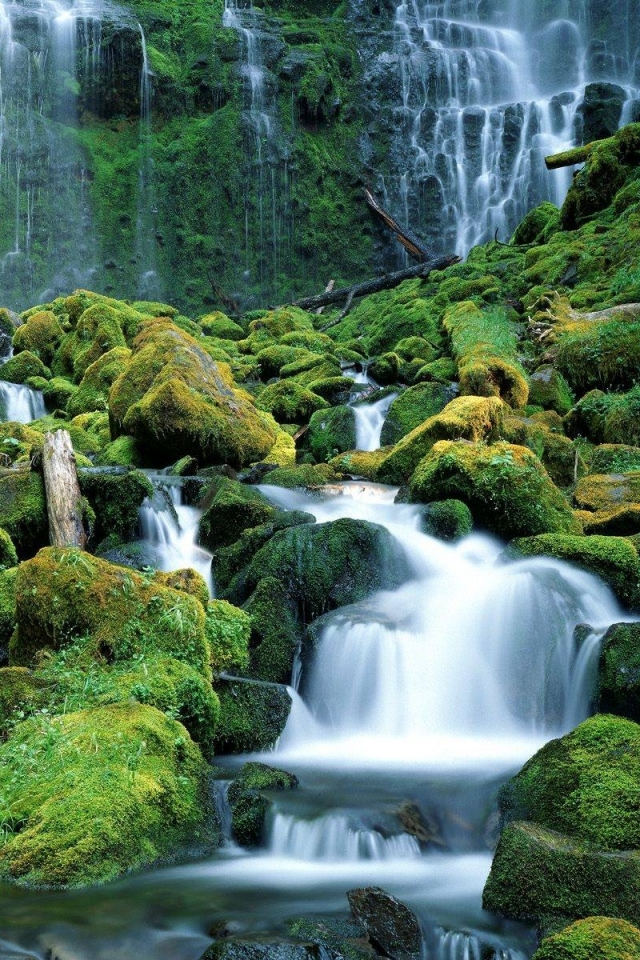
(425, 698)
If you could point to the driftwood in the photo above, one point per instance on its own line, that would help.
(64, 500)
(409, 241)
(347, 295)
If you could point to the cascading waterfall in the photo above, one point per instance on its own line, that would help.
(149, 287)
(485, 91)
(170, 528)
(18, 403)
(335, 837)
(369, 419)
(268, 212)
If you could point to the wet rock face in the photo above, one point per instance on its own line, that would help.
(620, 671)
(392, 927)
(601, 110)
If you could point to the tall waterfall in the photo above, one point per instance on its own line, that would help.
(481, 91)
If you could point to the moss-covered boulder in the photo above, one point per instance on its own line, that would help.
(360, 463)
(614, 559)
(538, 226)
(40, 335)
(92, 795)
(252, 715)
(331, 432)
(505, 486)
(601, 937)
(471, 418)
(115, 500)
(249, 800)
(58, 392)
(122, 452)
(549, 389)
(7, 611)
(615, 458)
(23, 510)
(290, 402)
(65, 594)
(173, 396)
(231, 508)
(447, 520)
(310, 476)
(619, 675)
(602, 491)
(387, 369)
(484, 345)
(8, 555)
(21, 693)
(219, 325)
(275, 631)
(228, 630)
(24, 366)
(411, 408)
(599, 353)
(606, 172)
(97, 380)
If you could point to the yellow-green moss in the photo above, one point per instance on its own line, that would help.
(228, 629)
(601, 937)
(602, 492)
(40, 335)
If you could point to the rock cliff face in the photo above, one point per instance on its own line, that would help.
(207, 152)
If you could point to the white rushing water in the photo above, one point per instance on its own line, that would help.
(171, 527)
(20, 404)
(369, 418)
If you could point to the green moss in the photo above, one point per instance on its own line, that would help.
(231, 508)
(331, 432)
(24, 511)
(447, 520)
(549, 389)
(613, 559)
(58, 392)
(309, 476)
(21, 694)
(615, 458)
(275, 633)
(598, 492)
(619, 689)
(252, 716)
(40, 335)
(249, 806)
(97, 380)
(115, 500)
(7, 609)
(186, 580)
(484, 346)
(123, 452)
(599, 353)
(471, 418)
(272, 359)
(289, 402)
(228, 629)
(23, 366)
(8, 555)
(65, 594)
(359, 463)
(605, 173)
(387, 369)
(602, 937)
(411, 408)
(440, 371)
(219, 325)
(91, 795)
(505, 486)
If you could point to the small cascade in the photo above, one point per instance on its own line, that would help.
(20, 404)
(369, 418)
(335, 837)
(269, 217)
(458, 945)
(484, 92)
(170, 528)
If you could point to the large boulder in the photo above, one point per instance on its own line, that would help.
(230, 509)
(412, 407)
(331, 432)
(173, 396)
(253, 714)
(601, 937)
(23, 509)
(505, 486)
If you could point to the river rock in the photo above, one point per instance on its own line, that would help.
(394, 930)
(267, 948)
(248, 803)
(252, 715)
(620, 671)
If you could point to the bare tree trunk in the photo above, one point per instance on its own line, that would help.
(329, 287)
(64, 500)
(409, 241)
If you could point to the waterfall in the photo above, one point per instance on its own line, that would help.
(149, 287)
(484, 92)
(334, 837)
(18, 403)
(170, 528)
(370, 419)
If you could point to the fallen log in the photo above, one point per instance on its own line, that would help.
(367, 287)
(409, 241)
(62, 491)
(569, 158)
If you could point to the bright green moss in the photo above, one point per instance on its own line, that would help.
(8, 555)
(58, 392)
(7, 609)
(415, 348)
(252, 716)
(40, 335)
(613, 559)
(218, 325)
(91, 795)
(97, 380)
(605, 173)
(307, 475)
(538, 226)
(615, 458)
(231, 508)
(331, 432)
(599, 492)
(187, 581)
(228, 629)
(115, 500)
(387, 369)
(24, 511)
(275, 633)
(358, 463)
(123, 452)
(599, 354)
(21, 693)
(505, 486)
(471, 418)
(549, 389)
(411, 408)
(602, 937)
(289, 402)
(447, 520)
(23, 366)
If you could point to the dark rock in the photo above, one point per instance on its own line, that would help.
(248, 803)
(601, 110)
(266, 948)
(620, 671)
(252, 715)
(392, 927)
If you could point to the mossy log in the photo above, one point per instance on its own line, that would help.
(569, 158)
(385, 282)
(64, 500)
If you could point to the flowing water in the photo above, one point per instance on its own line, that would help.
(417, 705)
(19, 404)
(369, 418)
(476, 94)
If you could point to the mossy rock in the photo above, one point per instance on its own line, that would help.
(619, 676)
(387, 369)
(18, 440)
(40, 335)
(24, 366)
(600, 492)
(275, 633)
(328, 565)
(252, 715)
(443, 370)
(187, 581)
(231, 508)
(415, 348)
(109, 790)
(123, 452)
(115, 500)
(550, 390)
(272, 359)
(538, 226)
(7, 611)
(613, 559)
(289, 402)
(309, 476)
(8, 555)
(23, 510)
(599, 354)
(505, 486)
(248, 803)
(65, 594)
(471, 418)
(537, 872)
(583, 785)
(484, 344)
(219, 325)
(411, 408)
(601, 937)
(228, 629)
(98, 378)
(283, 452)
(172, 395)
(615, 458)
(277, 323)
(58, 392)
(333, 389)
(21, 693)
(330, 432)
(606, 172)
(360, 463)
(623, 521)
(447, 520)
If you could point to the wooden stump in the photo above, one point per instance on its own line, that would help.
(64, 500)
